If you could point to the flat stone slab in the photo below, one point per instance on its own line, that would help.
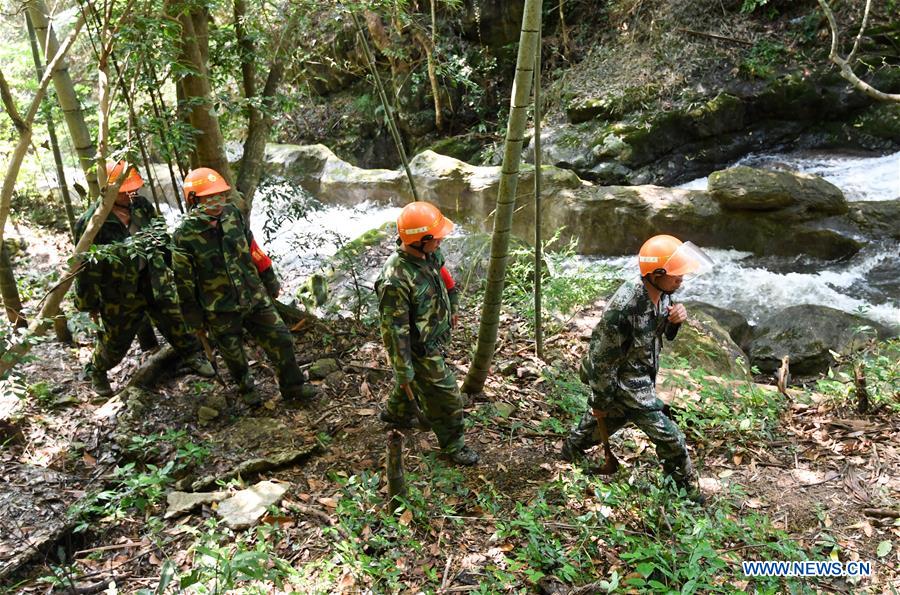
(184, 502)
(246, 507)
(33, 506)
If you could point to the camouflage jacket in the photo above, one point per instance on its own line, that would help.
(115, 279)
(623, 357)
(415, 308)
(214, 271)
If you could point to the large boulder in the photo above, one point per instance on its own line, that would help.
(808, 334)
(750, 189)
(609, 220)
(331, 179)
(734, 322)
(616, 219)
(706, 345)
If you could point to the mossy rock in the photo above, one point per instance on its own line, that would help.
(753, 189)
(734, 322)
(707, 345)
(465, 148)
(808, 334)
(724, 113)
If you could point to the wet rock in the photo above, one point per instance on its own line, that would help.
(706, 345)
(207, 414)
(808, 334)
(217, 401)
(877, 217)
(184, 502)
(750, 189)
(737, 326)
(246, 507)
(251, 433)
(504, 410)
(335, 378)
(322, 368)
(614, 220)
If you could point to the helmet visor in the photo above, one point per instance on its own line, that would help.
(689, 261)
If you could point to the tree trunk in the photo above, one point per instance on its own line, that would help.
(258, 127)
(210, 145)
(259, 122)
(61, 328)
(9, 290)
(506, 198)
(24, 125)
(65, 93)
(51, 132)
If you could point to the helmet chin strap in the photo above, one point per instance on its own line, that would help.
(649, 278)
(418, 246)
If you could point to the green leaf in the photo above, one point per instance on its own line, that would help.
(883, 548)
(645, 569)
(745, 424)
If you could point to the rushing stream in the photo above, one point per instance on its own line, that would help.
(301, 233)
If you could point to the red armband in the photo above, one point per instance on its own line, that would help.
(260, 259)
(447, 278)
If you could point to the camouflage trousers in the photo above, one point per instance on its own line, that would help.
(434, 386)
(659, 428)
(266, 327)
(121, 322)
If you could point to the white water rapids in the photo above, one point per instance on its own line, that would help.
(741, 282)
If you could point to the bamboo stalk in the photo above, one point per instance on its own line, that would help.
(51, 132)
(538, 239)
(388, 110)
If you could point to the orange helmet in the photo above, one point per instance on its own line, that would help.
(203, 181)
(669, 255)
(131, 183)
(420, 221)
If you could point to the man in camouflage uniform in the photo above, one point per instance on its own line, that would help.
(418, 304)
(132, 282)
(623, 358)
(226, 284)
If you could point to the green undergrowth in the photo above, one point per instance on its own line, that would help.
(137, 487)
(879, 364)
(567, 283)
(635, 534)
(710, 408)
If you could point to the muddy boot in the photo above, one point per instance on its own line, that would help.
(200, 365)
(691, 488)
(571, 453)
(299, 395)
(407, 423)
(464, 456)
(248, 393)
(147, 338)
(99, 381)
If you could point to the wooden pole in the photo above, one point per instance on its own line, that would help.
(538, 239)
(395, 479)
